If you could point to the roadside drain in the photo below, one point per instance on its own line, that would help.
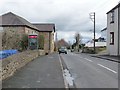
(68, 77)
(69, 80)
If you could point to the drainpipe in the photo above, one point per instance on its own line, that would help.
(118, 30)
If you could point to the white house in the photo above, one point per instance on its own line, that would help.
(104, 34)
(113, 31)
(98, 43)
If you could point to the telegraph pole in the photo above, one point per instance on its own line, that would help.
(92, 17)
(94, 33)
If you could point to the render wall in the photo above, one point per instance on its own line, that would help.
(119, 30)
(112, 27)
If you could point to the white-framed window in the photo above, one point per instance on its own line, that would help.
(112, 17)
(111, 38)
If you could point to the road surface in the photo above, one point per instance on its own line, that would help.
(45, 72)
(91, 72)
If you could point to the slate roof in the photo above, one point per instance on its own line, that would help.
(45, 27)
(114, 8)
(10, 19)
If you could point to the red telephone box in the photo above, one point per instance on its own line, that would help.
(33, 41)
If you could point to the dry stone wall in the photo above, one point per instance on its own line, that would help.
(11, 64)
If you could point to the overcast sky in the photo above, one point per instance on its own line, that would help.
(69, 16)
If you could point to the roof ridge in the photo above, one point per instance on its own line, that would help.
(18, 18)
(21, 20)
(7, 13)
(14, 15)
(117, 6)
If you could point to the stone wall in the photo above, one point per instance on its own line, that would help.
(52, 42)
(11, 64)
(30, 31)
(48, 41)
(12, 36)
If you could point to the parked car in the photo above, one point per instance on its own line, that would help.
(62, 50)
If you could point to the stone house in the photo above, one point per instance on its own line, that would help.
(47, 30)
(15, 26)
(113, 31)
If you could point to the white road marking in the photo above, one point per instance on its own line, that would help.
(81, 57)
(107, 68)
(38, 81)
(88, 59)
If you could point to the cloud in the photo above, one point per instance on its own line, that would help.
(69, 16)
(70, 36)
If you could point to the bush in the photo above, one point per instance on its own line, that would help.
(88, 50)
(24, 42)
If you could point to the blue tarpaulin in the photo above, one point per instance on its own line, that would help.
(6, 53)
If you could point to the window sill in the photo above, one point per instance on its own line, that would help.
(111, 43)
(111, 22)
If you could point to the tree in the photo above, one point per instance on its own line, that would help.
(73, 46)
(78, 40)
(61, 43)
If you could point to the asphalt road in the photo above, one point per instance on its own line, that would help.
(91, 72)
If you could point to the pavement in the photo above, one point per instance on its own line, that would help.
(43, 72)
(108, 57)
(104, 56)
